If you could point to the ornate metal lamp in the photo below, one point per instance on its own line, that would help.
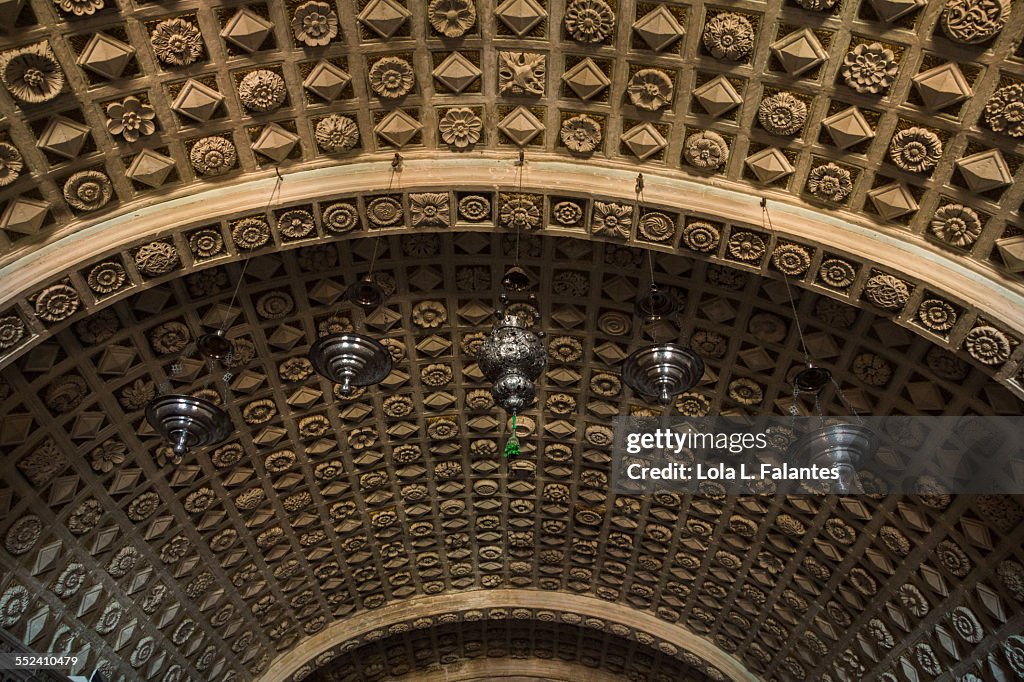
(512, 357)
(350, 360)
(186, 422)
(214, 346)
(661, 371)
(365, 293)
(843, 446)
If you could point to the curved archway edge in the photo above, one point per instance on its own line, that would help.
(349, 628)
(926, 268)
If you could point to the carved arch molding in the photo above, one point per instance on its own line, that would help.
(947, 301)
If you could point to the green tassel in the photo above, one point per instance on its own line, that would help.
(512, 444)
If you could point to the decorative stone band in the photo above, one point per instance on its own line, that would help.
(361, 628)
(42, 288)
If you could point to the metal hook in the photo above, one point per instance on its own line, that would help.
(522, 158)
(639, 183)
(396, 162)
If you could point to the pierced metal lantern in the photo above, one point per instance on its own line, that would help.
(350, 360)
(512, 358)
(662, 371)
(844, 446)
(187, 422)
(214, 346)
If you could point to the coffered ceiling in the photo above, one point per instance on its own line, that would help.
(382, 535)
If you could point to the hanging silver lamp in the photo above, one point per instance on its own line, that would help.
(656, 304)
(365, 293)
(350, 360)
(512, 358)
(662, 371)
(843, 446)
(811, 379)
(186, 422)
(214, 346)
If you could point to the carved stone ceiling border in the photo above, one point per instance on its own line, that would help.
(321, 508)
(939, 304)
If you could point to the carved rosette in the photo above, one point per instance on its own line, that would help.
(88, 190)
(32, 74)
(336, 133)
(262, 91)
(212, 156)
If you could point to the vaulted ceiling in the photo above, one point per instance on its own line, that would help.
(167, 169)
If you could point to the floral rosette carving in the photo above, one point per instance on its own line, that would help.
(336, 133)
(206, 243)
(340, 218)
(314, 24)
(23, 534)
(782, 114)
(915, 149)
(791, 259)
(177, 42)
(956, 224)
(519, 212)
(988, 345)
(589, 21)
(937, 315)
(451, 18)
(12, 331)
(88, 190)
(107, 277)
(746, 246)
(656, 227)
(250, 233)
(56, 303)
(32, 74)
(729, 36)
(156, 258)
(829, 181)
(581, 134)
(567, 213)
(11, 163)
(887, 292)
(79, 8)
(650, 89)
(974, 21)
(212, 156)
(429, 209)
(706, 150)
(475, 208)
(131, 119)
(1004, 111)
(460, 127)
(836, 273)
(262, 91)
(612, 219)
(296, 224)
(391, 77)
(701, 237)
(869, 68)
(384, 211)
